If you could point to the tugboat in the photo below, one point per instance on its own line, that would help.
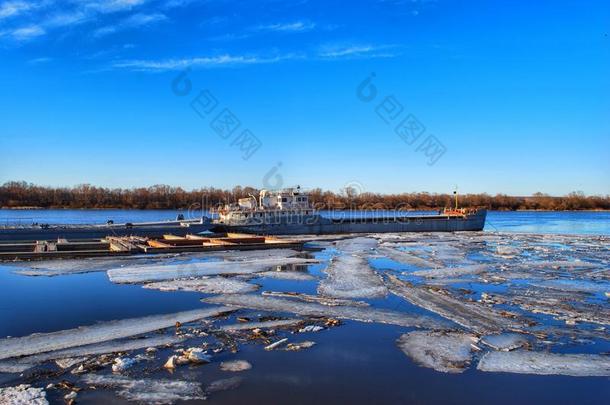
(289, 212)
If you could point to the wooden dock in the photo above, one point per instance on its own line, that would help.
(126, 245)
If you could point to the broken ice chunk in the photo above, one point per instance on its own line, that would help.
(446, 352)
(505, 342)
(300, 345)
(45, 342)
(207, 285)
(69, 357)
(401, 256)
(260, 325)
(524, 362)
(122, 363)
(473, 316)
(274, 345)
(70, 362)
(451, 271)
(287, 275)
(362, 314)
(143, 274)
(351, 277)
(23, 394)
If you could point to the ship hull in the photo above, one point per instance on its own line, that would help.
(322, 226)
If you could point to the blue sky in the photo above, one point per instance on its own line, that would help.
(500, 97)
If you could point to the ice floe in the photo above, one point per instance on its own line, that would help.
(331, 302)
(451, 271)
(287, 275)
(143, 274)
(122, 363)
(361, 314)
(506, 341)
(404, 257)
(260, 325)
(44, 342)
(351, 277)
(449, 352)
(74, 354)
(208, 285)
(525, 362)
(60, 267)
(473, 316)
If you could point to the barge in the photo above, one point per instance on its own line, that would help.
(129, 245)
(83, 231)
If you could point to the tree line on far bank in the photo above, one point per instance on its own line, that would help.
(21, 195)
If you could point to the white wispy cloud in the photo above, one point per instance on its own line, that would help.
(34, 18)
(111, 6)
(27, 33)
(286, 27)
(295, 26)
(15, 8)
(357, 51)
(203, 62)
(65, 19)
(41, 60)
(133, 21)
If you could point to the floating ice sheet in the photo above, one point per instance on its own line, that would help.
(311, 309)
(94, 264)
(23, 363)
(505, 342)
(351, 277)
(287, 275)
(331, 302)
(260, 325)
(447, 352)
(524, 362)
(451, 271)
(143, 274)
(101, 332)
(472, 316)
(401, 256)
(208, 285)
(149, 391)
(359, 245)
(574, 285)
(77, 266)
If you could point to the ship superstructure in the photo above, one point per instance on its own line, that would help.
(288, 206)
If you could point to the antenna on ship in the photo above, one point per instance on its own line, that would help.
(456, 197)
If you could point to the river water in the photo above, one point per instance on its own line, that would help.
(355, 363)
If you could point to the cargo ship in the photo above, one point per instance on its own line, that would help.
(283, 212)
(289, 212)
